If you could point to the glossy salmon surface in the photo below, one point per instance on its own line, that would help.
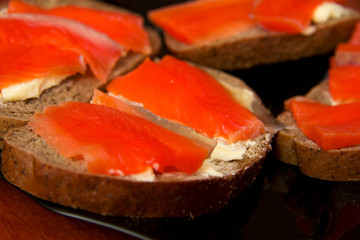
(125, 28)
(198, 22)
(99, 51)
(23, 63)
(330, 127)
(344, 83)
(287, 16)
(175, 90)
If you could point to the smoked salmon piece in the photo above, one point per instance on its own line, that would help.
(115, 142)
(198, 22)
(125, 28)
(355, 38)
(99, 51)
(287, 16)
(349, 53)
(24, 63)
(177, 91)
(344, 74)
(344, 83)
(330, 127)
(101, 98)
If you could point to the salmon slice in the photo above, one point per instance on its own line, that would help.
(349, 53)
(24, 63)
(125, 28)
(115, 142)
(344, 83)
(333, 137)
(330, 127)
(198, 22)
(355, 38)
(287, 16)
(133, 108)
(344, 73)
(177, 91)
(99, 51)
(101, 98)
(346, 54)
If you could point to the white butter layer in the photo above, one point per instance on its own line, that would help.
(242, 95)
(207, 169)
(328, 11)
(227, 152)
(325, 12)
(146, 176)
(223, 152)
(32, 89)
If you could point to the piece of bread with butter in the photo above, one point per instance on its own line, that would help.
(293, 147)
(255, 45)
(31, 164)
(19, 103)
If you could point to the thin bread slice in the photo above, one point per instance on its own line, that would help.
(293, 147)
(75, 88)
(259, 47)
(29, 163)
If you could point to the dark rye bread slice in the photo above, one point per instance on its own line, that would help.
(293, 147)
(77, 88)
(260, 47)
(29, 163)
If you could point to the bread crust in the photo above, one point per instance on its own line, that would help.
(29, 163)
(259, 47)
(293, 147)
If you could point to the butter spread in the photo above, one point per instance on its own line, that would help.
(30, 89)
(146, 176)
(207, 169)
(327, 11)
(242, 95)
(227, 152)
